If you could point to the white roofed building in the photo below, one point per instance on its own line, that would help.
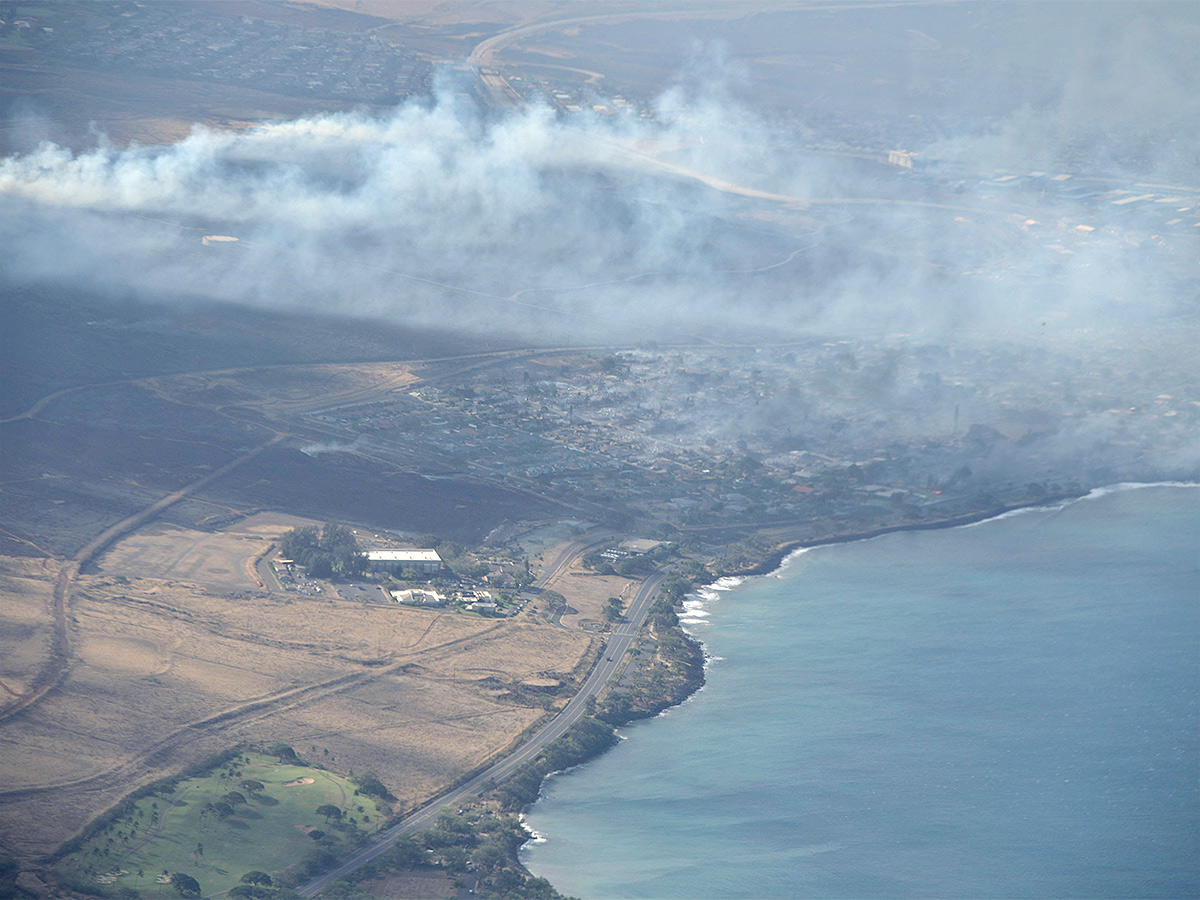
(416, 562)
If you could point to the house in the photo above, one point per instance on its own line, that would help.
(419, 598)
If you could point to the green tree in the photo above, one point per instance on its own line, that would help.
(256, 877)
(405, 854)
(329, 811)
(296, 542)
(342, 546)
(333, 548)
(612, 609)
(487, 857)
(254, 787)
(185, 884)
(371, 786)
(222, 809)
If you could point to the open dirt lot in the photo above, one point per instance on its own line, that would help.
(165, 672)
(287, 389)
(415, 886)
(587, 593)
(221, 560)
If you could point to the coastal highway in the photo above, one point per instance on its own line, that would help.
(606, 667)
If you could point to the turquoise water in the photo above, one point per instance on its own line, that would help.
(1010, 709)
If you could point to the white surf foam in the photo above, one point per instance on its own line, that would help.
(1094, 494)
(535, 837)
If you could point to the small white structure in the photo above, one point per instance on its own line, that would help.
(416, 562)
(640, 545)
(418, 597)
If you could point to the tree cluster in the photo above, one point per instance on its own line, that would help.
(370, 785)
(477, 839)
(258, 885)
(455, 557)
(332, 549)
(185, 884)
(585, 739)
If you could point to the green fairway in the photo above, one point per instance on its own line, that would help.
(191, 829)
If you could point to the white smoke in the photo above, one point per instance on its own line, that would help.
(699, 221)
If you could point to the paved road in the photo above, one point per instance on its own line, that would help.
(570, 553)
(607, 666)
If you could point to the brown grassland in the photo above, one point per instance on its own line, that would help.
(165, 672)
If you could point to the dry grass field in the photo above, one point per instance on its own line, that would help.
(286, 389)
(415, 885)
(219, 560)
(174, 653)
(26, 621)
(587, 593)
(166, 670)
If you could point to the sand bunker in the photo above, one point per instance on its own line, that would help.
(298, 782)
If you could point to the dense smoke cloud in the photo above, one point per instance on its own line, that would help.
(1118, 91)
(693, 223)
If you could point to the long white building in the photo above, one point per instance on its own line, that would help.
(414, 562)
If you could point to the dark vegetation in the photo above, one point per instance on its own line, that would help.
(484, 842)
(466, 842)
(185, 884)
(370, 785)
(9, 870)
(488, 844)
(324, 552)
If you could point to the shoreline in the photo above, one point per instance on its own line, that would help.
(692, 646)
(775, 558)
(769, 564)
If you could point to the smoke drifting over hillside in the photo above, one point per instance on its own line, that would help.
(699, 222)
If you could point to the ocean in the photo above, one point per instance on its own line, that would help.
(1010, 709)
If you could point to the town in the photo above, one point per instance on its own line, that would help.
(696, 444)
